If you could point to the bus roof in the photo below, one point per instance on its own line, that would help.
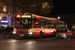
(45, 18)
(37, 16)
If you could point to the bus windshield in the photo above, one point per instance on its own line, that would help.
(24, 23)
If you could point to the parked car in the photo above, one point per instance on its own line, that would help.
(69, 34)
(73, 34)
(61, 34)
(64, 34)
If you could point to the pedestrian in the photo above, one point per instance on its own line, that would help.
(41, 34)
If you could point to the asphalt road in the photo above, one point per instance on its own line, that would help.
(37, 44)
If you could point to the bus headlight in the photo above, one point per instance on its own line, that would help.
(52, 31)
(14, 32)
(30, 33)
(42, 30)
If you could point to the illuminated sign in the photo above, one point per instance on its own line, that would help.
(4, 18)
(18, 16)
(2, 21)
(26, 16)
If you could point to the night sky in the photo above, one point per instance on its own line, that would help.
(61, 6)
(65, 7)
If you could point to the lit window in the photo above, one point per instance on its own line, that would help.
(4, 8)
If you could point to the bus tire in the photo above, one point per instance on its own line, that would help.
(54, 33)
(41, 34)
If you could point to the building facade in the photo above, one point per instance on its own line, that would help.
(9, 8)
(40, 7)
(6, 12)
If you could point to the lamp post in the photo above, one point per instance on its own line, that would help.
(58, 17)
(57, 24)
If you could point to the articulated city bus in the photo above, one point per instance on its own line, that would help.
(34, 25)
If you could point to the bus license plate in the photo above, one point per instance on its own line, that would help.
(21, 34)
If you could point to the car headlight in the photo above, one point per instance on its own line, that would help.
(30, 33)
(14, 32)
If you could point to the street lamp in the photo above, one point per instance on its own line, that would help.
(58, 17)
(57, 24)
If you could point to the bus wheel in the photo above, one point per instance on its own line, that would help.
(54, 33)
(41, 34)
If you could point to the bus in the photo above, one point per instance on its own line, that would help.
(31, 25)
